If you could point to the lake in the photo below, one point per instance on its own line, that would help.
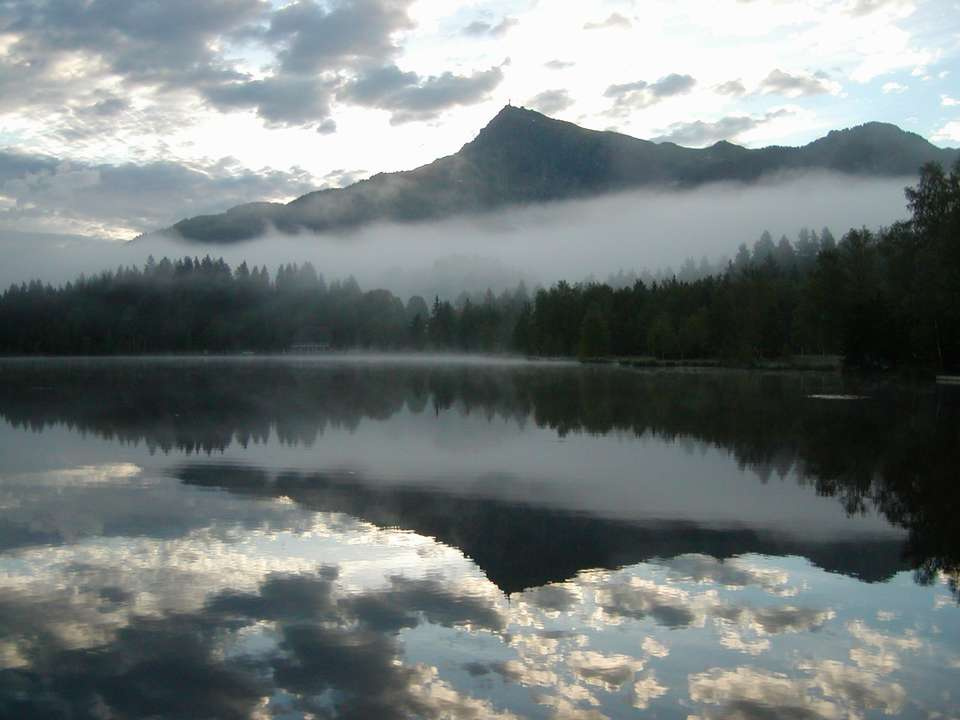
(393, 537)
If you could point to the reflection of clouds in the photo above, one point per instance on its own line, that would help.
(775, 620)
(313, 640)
(117, 500)
(828, 689)
(557, 597)
(745, 629)
(104, 473)
(608, 671)
(647, 689)
(654, 648)
(325, 619)
(734, 572)
(879, 663)
(639, 598)
(855, 688)
(884, 641)
(437, 699)
(733, 639)
(747, 693)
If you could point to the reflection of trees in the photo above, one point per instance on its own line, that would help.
(898, 449)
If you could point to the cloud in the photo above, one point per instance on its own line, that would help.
(731, 87)
(480, 28)
(551, 102)
(349, 33)
(169, 44)
(279, 100)
(342, 178)
(66, 56)
(699, 133)
(106, 108)
(950, 132)
(615, 20)
(410, 97)
(861, 8)
(782, 83)
(51, 195)
(558, 64)
(641, 94)
(948, 101)
(893, 87)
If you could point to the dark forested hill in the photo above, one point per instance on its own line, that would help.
(522, 156)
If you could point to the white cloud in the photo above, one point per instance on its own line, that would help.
(948, 101)
(949, 133)
(893, 87)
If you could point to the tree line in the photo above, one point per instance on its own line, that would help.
(203, 305)
(880, 299)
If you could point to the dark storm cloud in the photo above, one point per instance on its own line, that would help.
(640, 94)
(551, 101)
(784, 83)
(141, 196)
(480, 28)
(699, 133)
(410, 97)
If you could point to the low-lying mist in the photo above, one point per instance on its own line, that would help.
(538, 244)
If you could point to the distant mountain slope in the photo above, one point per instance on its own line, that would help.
(522, 156)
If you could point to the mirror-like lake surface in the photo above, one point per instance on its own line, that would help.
(443, 538)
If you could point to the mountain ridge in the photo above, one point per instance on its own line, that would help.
(522, 156)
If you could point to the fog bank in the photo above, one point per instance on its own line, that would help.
(539, 244)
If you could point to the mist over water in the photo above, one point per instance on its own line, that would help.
(538, 244)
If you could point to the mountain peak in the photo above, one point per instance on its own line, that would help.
(511, 119)
(522, 156)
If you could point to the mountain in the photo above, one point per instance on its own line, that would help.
(522, 157)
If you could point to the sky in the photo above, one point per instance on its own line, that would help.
(122, 116)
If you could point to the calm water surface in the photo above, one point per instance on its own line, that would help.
(393, 538)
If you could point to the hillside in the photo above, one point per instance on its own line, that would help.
(522, 156)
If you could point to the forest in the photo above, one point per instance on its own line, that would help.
(881, 300)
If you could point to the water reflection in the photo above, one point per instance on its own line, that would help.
(253, 540)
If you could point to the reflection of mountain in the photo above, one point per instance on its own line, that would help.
(898, 450)
(519, 546)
